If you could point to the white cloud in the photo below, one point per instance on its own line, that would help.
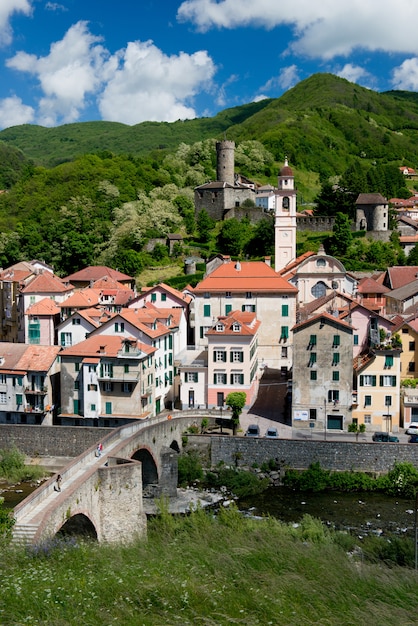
(13, 112)
(353, 73)
(322, 29)
(149, 85)
(287, 77)
(260, 97)
(406, 75)
(73, 69)
(7, 9)
(54, 6)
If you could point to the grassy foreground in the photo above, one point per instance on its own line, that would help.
(209, 571)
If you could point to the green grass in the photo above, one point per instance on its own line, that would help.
(13, 468)
(210, 571)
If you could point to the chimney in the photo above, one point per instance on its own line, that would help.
(238, 266)
(267, 260)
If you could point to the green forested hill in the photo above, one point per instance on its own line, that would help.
(323, 124)
(96, 192)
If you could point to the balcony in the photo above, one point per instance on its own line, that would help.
(410, 396)
(38, 391)
(33, 409)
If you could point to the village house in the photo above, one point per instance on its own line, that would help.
(107, 380)
(29, 383)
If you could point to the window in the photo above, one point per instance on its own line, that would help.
(108, 386)
(404, 331)
(127, 387)
(206, 295)
(336, 341)
(19, 399)
(312, 341)
(92, 387)
(285, 203)
(219, 379)
(119, 327)
(388, 400)
(355, 340)
(228, 309)
(220, 328)
(108, 408)
(312, 359)
(285, 310)
(192, 377)
(412, 346)
(368, 380)
(219, 356)
(66, 339)
(388, 361)
(163, 297)
(92, 368)
(319, 289)
(106, 370)
(3, 379)
(76, 385)
(228, 294)
(312, 414)
(284, 352)
(367, 401)
(335, 358)
(3, 397)
(206, 310)
(368, 419)
(153, 297)
(237, 379)
(249, 308)
(237, 356)
(320, 263)
(334, 395)
(76, 321)
(92, 407)
(248, 295)
(76, 367)
(284, 333)
(34, 332)
(236, 327)
(336, 376)
(313, 374)
(411, 366)
(388, 381)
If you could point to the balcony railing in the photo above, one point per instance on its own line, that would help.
(36, 390)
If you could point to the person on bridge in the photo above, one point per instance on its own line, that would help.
(99, 449)
(57, 485)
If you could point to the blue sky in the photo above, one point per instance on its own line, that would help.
(135, 60)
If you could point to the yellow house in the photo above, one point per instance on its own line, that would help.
(408, 333)
(376, 399)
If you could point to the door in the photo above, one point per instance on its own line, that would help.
(191, 398)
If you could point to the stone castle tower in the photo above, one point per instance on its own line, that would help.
(225, 161)
(285, 218)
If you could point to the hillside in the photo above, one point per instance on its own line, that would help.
(323, 124)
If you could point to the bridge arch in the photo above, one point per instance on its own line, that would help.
(78, 525)
(149, 467)
(175, 446)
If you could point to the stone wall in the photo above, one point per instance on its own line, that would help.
(368, 457)
(65, 441)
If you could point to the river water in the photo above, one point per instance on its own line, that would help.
(359, 513)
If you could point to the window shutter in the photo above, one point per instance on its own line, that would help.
(232, 379)
(224, 379)
(241, 357)
(228, 309)
(224, 356)
(361, 380)
(373, 381)
(196, 377)
(393, 381)
(231, 357)
(241, 379)
(285, 310)
(214, 379)
(214, 356)
(381, 381)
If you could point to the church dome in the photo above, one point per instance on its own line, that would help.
(286, 171)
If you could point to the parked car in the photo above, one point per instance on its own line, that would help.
(412, 429)
(272, 433)
(382, 437)
(253, 431)
(413, 439)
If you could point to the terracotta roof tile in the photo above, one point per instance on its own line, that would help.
(254, 276)
(111, 345)
(45, 282)
(82, 299)
(368, 285)
(96, 272)
(43, 307)
(247, 321)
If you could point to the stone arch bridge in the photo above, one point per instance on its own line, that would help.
(106, 492)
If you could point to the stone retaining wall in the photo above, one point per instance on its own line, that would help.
(342, 456)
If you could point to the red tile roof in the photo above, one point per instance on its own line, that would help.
(327, 317)
(247, 321)
(45, 282)
(21, 357)
(96, 272)
(46, 306)
(112, 345)
(401, 275)
(369, 285)
(82, 299)
(254, 276)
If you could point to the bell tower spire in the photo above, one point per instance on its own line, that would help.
(285, 218)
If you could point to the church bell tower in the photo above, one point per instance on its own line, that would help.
(285, 218)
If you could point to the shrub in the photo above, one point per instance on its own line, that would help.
(189, 468)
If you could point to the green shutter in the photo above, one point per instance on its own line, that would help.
(206, 310)
(232, 379)
(336, 340)
(373, 381)
(381, 381)
(361, 380)
(285, 310)
(312, 340)
(393, 381)
(242, 379)
(241, 357)
(108, 408)
(170, 342)
(228, 309)
(231, 357)
(214, 379)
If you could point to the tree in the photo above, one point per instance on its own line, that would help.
(204, 225)
(236, 401)
(341, 238)
(262, 242)
(233, 236)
